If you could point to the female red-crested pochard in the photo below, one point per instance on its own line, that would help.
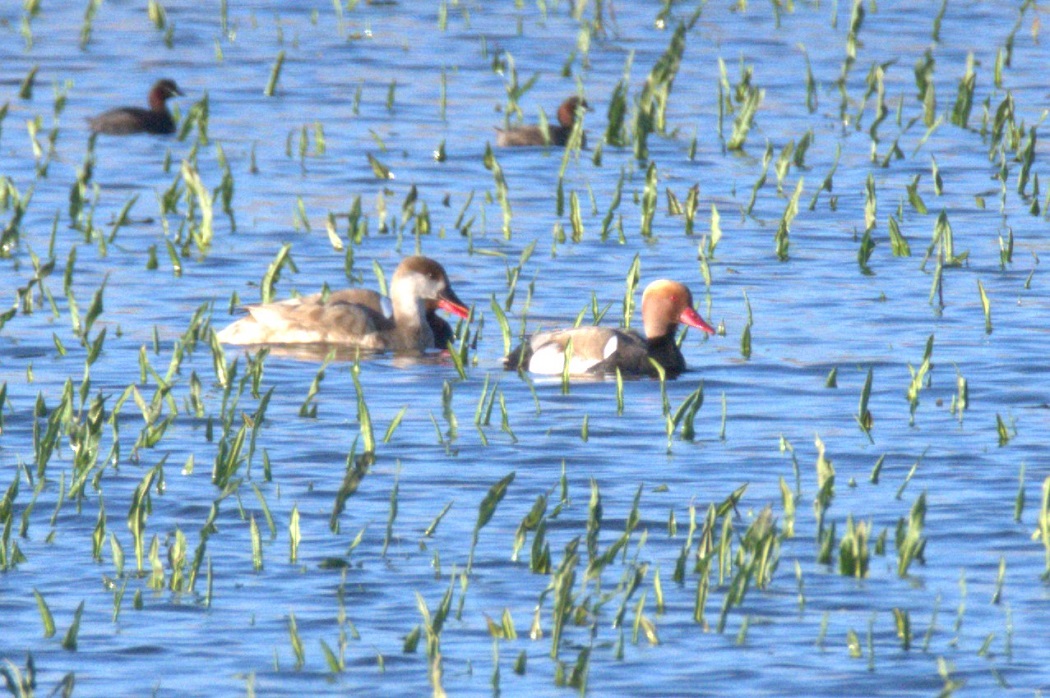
(556, 135)
(126, 120)
(354, 317)
(598, 350)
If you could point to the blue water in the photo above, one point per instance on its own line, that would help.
(816, 312)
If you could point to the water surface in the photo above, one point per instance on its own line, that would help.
(396, 80)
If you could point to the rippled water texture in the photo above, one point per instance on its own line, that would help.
(252, 578)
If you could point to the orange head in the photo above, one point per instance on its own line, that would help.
(666, 303)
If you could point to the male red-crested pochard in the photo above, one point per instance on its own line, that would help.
(556, 135)
(126, 120)
(354, 317)
(598, 350)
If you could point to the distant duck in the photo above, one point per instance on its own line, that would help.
(557, 135)
(354, 317)
(599, 350)
(127, 120)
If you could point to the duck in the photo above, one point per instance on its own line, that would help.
(601, 350)
(127, 120)
(556, 135)
(354, 317)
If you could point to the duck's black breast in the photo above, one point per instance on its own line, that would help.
(664, 351)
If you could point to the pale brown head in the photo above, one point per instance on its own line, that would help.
(161, 91)
(567, 110)
(428, 281)
(666, 303)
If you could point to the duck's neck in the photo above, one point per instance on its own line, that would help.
(566, 117)
(410, 318)
(157, 101)
(657, 328)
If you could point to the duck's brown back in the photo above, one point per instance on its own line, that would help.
(308, 320)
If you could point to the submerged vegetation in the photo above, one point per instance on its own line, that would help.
(357, 522)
